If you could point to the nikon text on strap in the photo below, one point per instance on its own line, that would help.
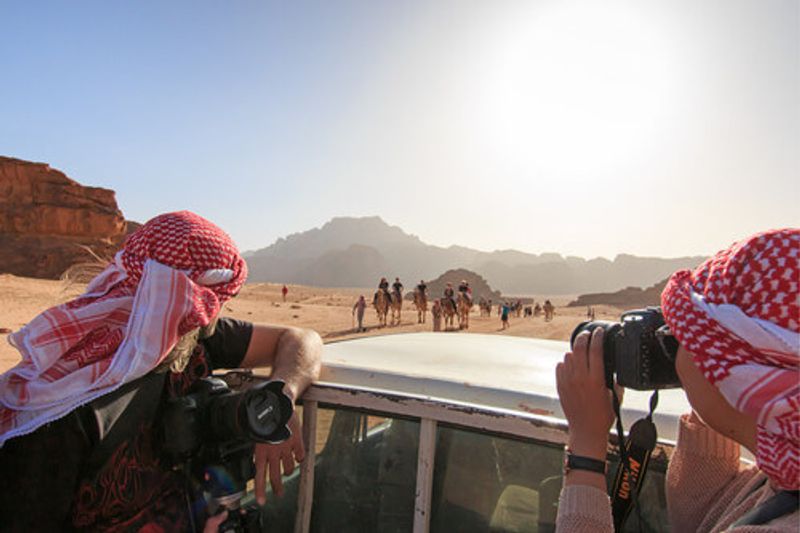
(634, 457)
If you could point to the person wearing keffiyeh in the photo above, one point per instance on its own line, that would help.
(155, 308)
(736, 318)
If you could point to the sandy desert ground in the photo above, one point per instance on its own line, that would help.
(327, 310)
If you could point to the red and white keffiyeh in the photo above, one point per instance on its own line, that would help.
(738, 314)
(172, 276)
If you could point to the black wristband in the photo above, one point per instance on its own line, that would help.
(579, 462)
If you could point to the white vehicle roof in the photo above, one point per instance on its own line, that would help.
(494, 372)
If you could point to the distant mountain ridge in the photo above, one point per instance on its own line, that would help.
(627, 298)
(356, 252)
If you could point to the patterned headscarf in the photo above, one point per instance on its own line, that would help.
(172, 276)
(738, 314)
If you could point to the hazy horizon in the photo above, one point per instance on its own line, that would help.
(657, 129)
(455, 244)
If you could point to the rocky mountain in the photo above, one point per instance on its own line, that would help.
(627, 298)
(480, 288)
(358, 251)
(49, 222)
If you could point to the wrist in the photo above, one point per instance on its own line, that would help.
(594, 448)
(583, 477)
(290, 391)
(573, 461)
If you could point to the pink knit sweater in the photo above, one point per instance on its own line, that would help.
(708, 489)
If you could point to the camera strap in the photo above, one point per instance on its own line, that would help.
(634, 453)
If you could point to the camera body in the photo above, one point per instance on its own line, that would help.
(210, 435)
(638, 350)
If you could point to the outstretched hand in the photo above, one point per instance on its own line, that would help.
(270, 457)
(584, 397)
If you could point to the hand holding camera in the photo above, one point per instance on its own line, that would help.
(210, 435)
(638, 351)
(584, 397)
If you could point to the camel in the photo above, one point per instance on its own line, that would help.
(449, 311)
(381, 303)
(549, 311)
(421, 303)
(396, 305)
(464, 307)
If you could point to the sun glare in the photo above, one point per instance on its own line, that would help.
(579, 92)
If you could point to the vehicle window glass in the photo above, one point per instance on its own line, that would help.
(364, 477)
(490, 483)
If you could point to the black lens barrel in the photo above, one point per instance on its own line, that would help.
(259, 414)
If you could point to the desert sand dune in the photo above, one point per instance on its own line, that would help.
(327, 310)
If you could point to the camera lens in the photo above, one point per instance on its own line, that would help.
(259, 413)
(263, 411)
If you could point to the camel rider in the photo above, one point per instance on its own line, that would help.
(422, 287)
(464, 289)
(397, 287)
(382, 286)
(450, 294)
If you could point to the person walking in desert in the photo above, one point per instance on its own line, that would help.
(504, 310)
(358, 311)
(436, 312)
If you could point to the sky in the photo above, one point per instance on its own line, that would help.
(659, 128)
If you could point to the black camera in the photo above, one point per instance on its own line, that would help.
(210, 435)
(639, 350)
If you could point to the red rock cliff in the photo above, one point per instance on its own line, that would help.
(47, 220)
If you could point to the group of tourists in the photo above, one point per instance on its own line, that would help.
(505, 309)
(397, 287)
(449, 299)
(463, 289)
(421, 298)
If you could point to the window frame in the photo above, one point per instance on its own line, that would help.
(430, 412)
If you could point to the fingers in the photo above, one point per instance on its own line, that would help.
(260, 481)
(584, 364)
(581, 345)
(595, 360)
(568, 365)
(560, 386)
(269, 459)
(579, 362)
(288, 464)
(275, 474)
